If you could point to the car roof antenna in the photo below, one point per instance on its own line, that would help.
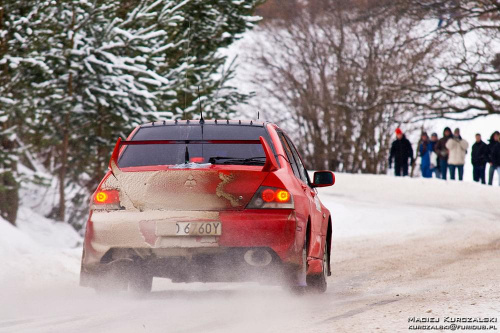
(202, 121)
(185, 73)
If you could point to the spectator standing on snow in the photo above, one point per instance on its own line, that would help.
(495, 157)
(457, 149)
(401, 151)
(442, 152)
(479, 159)
(494, 141)
(425, 149)
(433, 156)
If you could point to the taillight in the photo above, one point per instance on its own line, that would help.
(106, 199)
(271, 197)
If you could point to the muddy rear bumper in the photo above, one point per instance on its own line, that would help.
(139, 239)
(227, 265)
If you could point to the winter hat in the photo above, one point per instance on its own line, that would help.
(434, 134)
(399, 131)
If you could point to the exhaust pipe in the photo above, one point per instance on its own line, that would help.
(258, 257)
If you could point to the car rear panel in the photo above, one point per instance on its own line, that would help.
(158, 190)
(152, 233)
(213, 187)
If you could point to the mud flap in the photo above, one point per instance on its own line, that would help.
(315, 266)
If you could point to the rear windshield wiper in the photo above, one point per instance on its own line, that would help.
(256, 160)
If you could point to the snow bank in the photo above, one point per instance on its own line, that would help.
(38, 252)
(47, 232)
(430, 193)
(14, 242)
(367, 206)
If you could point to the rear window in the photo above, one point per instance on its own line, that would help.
(171, 154)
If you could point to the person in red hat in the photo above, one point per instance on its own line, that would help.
(401, 152)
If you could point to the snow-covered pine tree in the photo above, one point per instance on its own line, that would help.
(207, 27)
(92, 70)
(121, 57)
(15, 22)
(103, 80)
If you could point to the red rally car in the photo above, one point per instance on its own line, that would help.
(207, 201)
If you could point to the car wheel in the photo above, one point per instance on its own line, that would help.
(111, 282)
(317, 283)
(140, 283)
(297, 282)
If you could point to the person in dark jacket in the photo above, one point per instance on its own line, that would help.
(425, 149)
(442, 151)
(401, 151)
(495, 157)
(479, 157)
(494, 141)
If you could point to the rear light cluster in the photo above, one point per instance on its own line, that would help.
(106, 200)
(271, 197)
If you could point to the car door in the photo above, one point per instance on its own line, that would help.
(301, 177)
(304, 177)
(318, 219)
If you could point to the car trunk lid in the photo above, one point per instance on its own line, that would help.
(190, 186)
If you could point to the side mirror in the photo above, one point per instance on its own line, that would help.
(323, 179)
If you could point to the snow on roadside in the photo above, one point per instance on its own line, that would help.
(38, 252)
(423, 192)
(369, 206)
(47, 232)
(14, 242)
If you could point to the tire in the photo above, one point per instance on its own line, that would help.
(317, 283)
(111, 282)
(140, 283)
(297, 278)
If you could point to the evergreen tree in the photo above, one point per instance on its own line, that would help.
(102, 80)
(15, 18)
(91, 70)
(207, 27)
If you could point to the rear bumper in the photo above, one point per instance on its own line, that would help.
(226, 265)
(125, 235)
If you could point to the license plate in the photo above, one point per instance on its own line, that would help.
(198, 229)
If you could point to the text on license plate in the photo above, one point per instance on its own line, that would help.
(198, 228)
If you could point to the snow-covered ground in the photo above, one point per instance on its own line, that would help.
(401, 248)
(38, 252)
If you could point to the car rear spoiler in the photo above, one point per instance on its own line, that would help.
(270, 165)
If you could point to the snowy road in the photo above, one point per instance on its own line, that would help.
(401, 248)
